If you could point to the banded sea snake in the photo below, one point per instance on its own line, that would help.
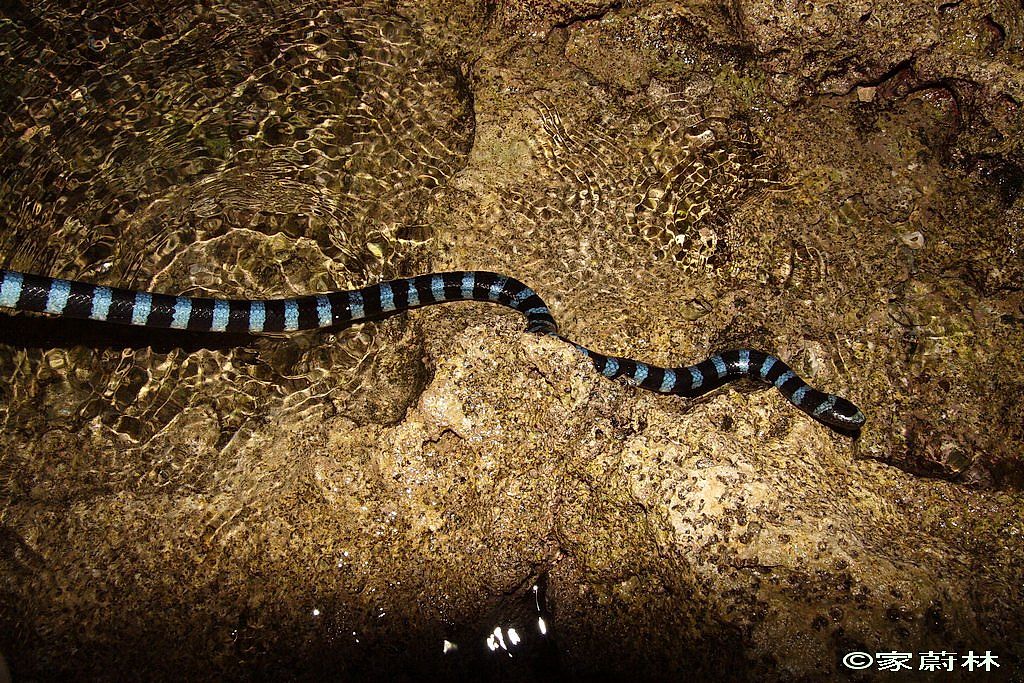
(72, 299)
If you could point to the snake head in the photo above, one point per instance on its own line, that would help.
(841, 415)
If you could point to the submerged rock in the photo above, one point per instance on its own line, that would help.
(441, 493)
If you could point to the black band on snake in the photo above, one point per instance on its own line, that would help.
(68, 298)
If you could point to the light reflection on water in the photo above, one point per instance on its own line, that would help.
(234, 149)
(249, 150)
(523, 633)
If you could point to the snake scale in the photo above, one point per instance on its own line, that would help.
(73, 299)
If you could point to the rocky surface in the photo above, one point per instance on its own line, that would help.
(839, 184)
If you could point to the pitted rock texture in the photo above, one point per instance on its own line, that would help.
(838, 184)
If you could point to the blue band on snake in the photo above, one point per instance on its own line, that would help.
(72, 299)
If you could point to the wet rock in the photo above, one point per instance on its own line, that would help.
(674, 178)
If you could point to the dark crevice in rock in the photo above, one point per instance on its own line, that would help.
(582, 18)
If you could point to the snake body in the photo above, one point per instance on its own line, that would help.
(73, 299)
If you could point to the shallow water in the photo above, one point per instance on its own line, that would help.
(395, 496)
(232, 149)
